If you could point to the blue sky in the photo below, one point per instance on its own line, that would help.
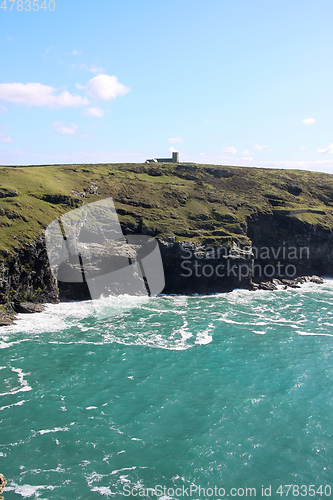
(233, 82)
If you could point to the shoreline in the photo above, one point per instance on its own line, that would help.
(7, 319)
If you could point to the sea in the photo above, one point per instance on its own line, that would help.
(171, 397)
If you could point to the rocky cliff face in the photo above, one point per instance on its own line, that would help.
(25, 276)
(195, 268)
(279, 238)
(282, 247)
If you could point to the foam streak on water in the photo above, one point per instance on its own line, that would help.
(231, 390)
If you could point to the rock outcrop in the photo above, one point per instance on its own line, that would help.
(25, 276)
(3, 483)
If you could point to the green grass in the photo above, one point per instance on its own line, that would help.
(189, 205)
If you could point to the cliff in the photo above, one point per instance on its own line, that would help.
(218, 227)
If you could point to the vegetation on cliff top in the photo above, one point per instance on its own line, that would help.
(205, 203)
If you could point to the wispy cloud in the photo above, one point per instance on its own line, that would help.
(37, 94)
(5, 138)
(26, 156)
(323, 165)
(3, 110)
(175, 139)
(309, 121)
(328, 149)
(60, 128)
(93, 68)
(106, 87)
(93, 111)
(259, 147)
(230, 150)
(76, 52)
(96, 69)
(172, 149)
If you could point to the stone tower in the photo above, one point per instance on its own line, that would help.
(175, 157)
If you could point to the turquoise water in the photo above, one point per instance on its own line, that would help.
(226, 391)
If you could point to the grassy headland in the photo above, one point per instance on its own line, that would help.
(204, 203)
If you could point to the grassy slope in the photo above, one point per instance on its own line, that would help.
(191, 205)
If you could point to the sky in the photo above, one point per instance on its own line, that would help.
(227, 82)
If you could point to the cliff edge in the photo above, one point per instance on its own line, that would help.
(218, 227)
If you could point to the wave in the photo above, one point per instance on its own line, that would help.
(23, 384)
(173, 322)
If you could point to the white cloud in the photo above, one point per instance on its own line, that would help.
(246, 152)
(5, 138)
(96, 69)
(303, 147)
(102, 87)
(329, 149)
(230, 149)
(3, 110)
(259, 147)
(172, 149)
(106, 87)
(93, 111)
(309, 121)
(37, 94)
(175, 139)
(61, 129)
(93, 68)
(76, 52)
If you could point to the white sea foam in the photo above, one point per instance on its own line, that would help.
(315, 334)
(103, 490)
(203, 337)
(141, 320)
(59, 317)
(123, 469)
(5, 345)
(27, 490)
(225, 319)
(56, 429)
(20, 403)
(183, 330)
(23, 387)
